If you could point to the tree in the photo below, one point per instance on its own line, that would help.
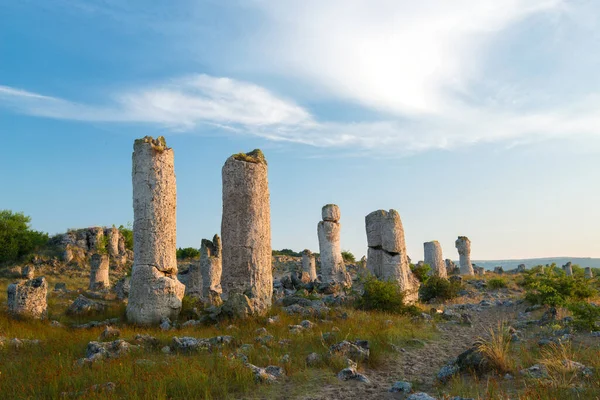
(17, 239)
(348, 256)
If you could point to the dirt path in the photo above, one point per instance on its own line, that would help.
(418, 365)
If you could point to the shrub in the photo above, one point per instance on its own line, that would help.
(421, 271)
(555, 289)
(585, 315)
(17, 239)
(496, 283)
(382, 296)
(496, 348)
(439, 288)
(188, 252)
(348, 256)
(127, 235)
(286, 252)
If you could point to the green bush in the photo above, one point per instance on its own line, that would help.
(286, 252)
(17, 239)
(496, 283)
(127, 235)
(348, 256)
(421, 271)
(585, 315)
(439, 288)
(554, 288)
(382, 296)
(188, 252)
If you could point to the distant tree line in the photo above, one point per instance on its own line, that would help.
(17, 239)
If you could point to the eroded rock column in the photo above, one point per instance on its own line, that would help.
(588, 273)
(308, 264)
(568, 268)
(28, 299)
(333, 269)
(463, 245)
(210, 268)
(247, 278)
(113, 235)
(155, 291)
(99, 272)
(386, 255)
(433, 257)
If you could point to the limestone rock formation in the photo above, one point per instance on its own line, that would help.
(568, 268)
(99, 272)
(451, 268)
(463, 245)
(433, 257)
(499, 270)
(28, 272)
(478, 270)
(521, 268)
(155, 292)
(211, 268)
(333, 269)
(27, 299)
(386, 255)
(80, 244)
(246, 234)
(588, 273)
(308, 265)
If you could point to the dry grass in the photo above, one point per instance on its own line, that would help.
(48, 369)
(496, 347)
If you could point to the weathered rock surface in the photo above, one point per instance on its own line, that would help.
(99, 269)
(211, 267)
(308, 264)
(333, 269)
(568, 268)
(155, 292)
(28, 299)
(386, 256)
(463, 245)
(433, 257)
(78, 245)
(588, 273)
(97, 351)
(246, 234)
(28, 272)
(82, 306)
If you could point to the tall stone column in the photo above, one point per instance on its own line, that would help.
(463, 245)
(433, 257)
(113, 235)
(588, 273)
(386, 255)
(210, 267)
(99, 269)
(247, 278)
(308, 265)
(333, 269)
(155, 291)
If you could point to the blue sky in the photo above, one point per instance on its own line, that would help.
(471, 117)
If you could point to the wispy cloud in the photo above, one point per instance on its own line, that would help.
(419, 68)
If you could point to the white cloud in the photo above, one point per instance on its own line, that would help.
(398, 56)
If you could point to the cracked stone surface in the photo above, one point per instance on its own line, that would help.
(155, 292)
(28, 298)
(246, 233)
(308, 265)
(386, 255)
(99, 269)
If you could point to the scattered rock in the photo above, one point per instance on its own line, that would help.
(84, 306)
(28, 299)
(109, 333)
(401, 387)
(350, 373)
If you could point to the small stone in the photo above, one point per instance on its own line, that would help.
(401, 387)
(313, 359)
(166, 350)
(351, 374)
(420, 396)
(109, 333)
(165, 324)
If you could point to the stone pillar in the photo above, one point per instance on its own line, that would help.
(28, 299)
(568, 269)
(433, 257)
(155, 291)
(333, 269)
(113, 235)
(521, 268)
(210, 267)
(499, 270)
(588, 273)
(247, 279)
(99, 272)
(308, 265)
(463, 245)
(386, 255)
